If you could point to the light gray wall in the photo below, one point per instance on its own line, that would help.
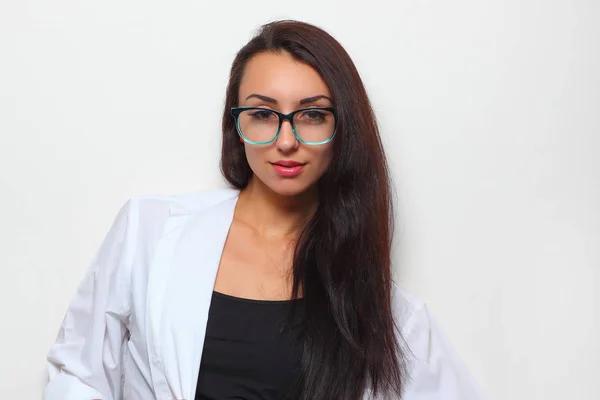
(490, 117)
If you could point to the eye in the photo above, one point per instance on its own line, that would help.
(313, 116)
(262, 115)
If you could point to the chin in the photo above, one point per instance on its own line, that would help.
(288, 187)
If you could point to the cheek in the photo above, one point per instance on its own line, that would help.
(252, 155)
(323, 157)
(258, 158)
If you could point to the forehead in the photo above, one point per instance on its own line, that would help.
(280, 76)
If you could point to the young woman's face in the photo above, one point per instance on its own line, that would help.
(276, 81)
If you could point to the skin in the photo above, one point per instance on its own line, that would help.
(257, 258)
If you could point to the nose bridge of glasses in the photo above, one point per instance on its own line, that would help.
(286, 117)
(286, 134)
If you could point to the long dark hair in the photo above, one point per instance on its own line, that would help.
(342, 258)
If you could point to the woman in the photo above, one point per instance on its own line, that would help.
(279, 288)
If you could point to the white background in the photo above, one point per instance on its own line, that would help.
(490, 115)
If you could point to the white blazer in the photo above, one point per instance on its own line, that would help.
(135, 328)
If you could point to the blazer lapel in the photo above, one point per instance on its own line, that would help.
(188, 294)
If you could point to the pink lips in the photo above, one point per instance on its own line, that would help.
(288, 168)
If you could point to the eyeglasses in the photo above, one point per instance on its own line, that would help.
(260, 126)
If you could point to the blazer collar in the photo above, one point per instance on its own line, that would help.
(189, 288)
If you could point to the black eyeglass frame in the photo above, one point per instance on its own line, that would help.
(236, 111)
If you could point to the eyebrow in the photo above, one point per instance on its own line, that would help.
(271, 100)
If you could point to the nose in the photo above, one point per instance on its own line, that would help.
(286, 141)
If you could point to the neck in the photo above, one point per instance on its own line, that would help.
(272, 214)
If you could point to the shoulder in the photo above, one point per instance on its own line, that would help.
(143, 220)
(407, 308)
(156, 208)
(187, 202)
(195, 201)
(435, 367)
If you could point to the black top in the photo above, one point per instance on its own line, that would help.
(250, 353)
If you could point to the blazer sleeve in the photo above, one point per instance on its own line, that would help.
(436, 371)
(84, 363)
